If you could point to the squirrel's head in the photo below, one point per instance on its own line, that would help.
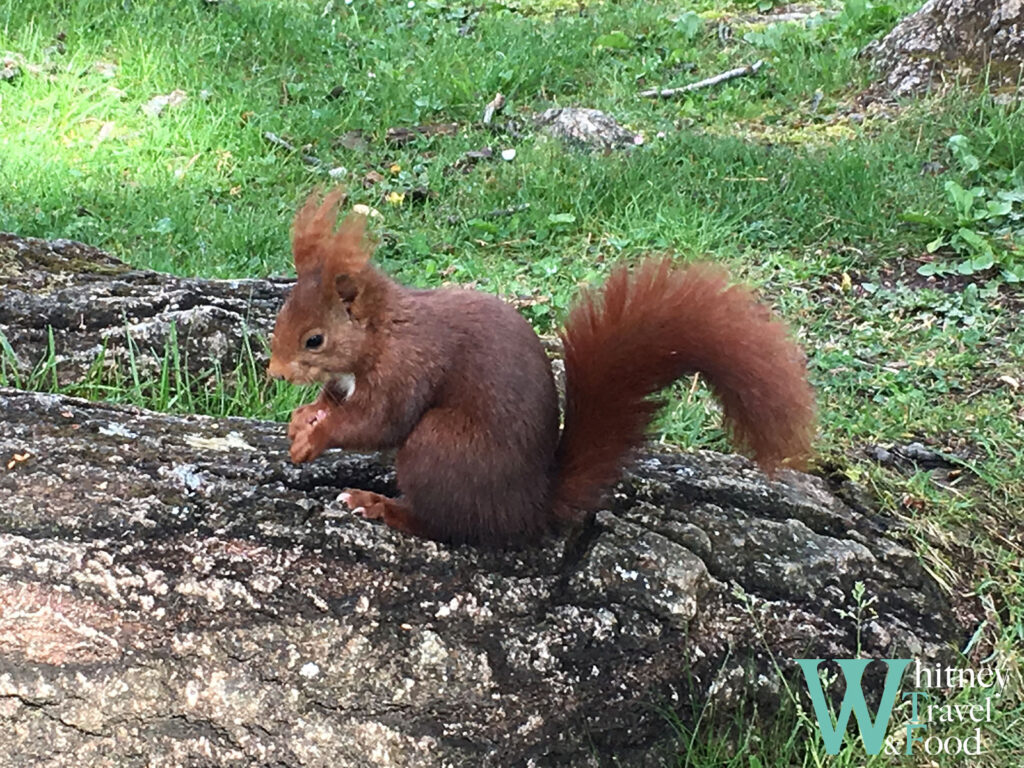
(323, 329)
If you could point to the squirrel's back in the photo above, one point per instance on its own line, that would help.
(479, 463)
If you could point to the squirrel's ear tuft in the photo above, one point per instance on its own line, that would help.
(316, 244)
(351, 246)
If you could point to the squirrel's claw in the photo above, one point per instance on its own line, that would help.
(370, 505)
(346, 499)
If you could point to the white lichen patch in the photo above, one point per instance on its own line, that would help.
(431, 650)
(265, 583)
(184, 475)
(230, 442)
(217, 592)
(113, 429)
(385, 747)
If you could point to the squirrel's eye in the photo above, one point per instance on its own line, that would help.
(314, 341)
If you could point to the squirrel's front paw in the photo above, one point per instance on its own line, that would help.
(307, 444)
(305, 417)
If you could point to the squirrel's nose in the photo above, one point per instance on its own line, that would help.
(277, 370)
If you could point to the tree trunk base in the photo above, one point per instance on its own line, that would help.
(949, 41)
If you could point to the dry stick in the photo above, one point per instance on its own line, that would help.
(495, 105)
(512, 210)
(276, 140)
(497, 213)
(666, 93)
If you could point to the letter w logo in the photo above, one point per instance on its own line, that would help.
(872, 732)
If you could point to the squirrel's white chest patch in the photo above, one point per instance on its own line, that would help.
(346, 384)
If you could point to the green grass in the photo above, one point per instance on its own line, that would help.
(245, 389)
(199, 190)
(786, 176)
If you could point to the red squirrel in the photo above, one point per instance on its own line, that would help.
(459, 383)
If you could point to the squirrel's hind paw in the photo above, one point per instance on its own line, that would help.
(395, 513)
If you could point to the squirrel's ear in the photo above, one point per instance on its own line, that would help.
(346, 258)
(346, 288)
(313, 228)
(316, 244)
(351, 248)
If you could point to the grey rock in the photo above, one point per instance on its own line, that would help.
(10, 70)
(586, 128)
(99, 309)
(177, 593)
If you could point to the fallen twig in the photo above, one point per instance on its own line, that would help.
(497, 213)
(495, 105)
(276, 140)
(403, 135)
(666, 93)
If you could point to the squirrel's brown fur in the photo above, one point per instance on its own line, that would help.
(459, 383)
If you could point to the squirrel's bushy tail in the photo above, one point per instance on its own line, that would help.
(646, 328)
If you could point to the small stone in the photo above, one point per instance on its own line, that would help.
(584, 127)
(155, 106)
(880, 454)
(365, 210)
(9, 70)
